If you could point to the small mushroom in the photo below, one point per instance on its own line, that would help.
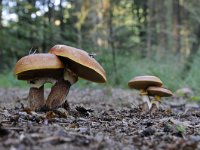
(184, 92)
(157, 93)
(142, 83)
(37, 69)
(78, 63)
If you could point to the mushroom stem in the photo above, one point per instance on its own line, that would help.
(36, 97)
(157, 100)
(60, 90)
(36, 93)
(155, 105)
(145, 100)
(58, 94)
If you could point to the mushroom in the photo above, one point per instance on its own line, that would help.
(78, 63)
(142, 83)
(37, 69)
(185, 92)
(157, 93)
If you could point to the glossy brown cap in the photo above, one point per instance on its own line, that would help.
(39, 65)
(159, 91)
(143, 82)
(80, 63)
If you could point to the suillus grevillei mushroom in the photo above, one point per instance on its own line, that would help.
(142, 83)
(78, 63)
(37, 69)
(157, 93)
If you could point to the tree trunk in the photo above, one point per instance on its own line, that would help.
(44, 45)
(143, 32)
(80, 37)
(176, 26)
(162, 29)
(193, 53)
(81, 16)
(142, 25)
(50, 11)
(1, 7)
(168, 16)
(149, 29)
(62, 25)
(111, 40)
(154, 22)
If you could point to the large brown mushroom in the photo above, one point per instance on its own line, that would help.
(142, 83)
(157, 93)
(78, 63)
(38, 69)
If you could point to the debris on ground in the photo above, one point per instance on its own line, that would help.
(98, 119)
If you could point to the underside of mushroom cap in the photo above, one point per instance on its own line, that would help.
(80, 63)
(159, 91)
(39, 66)
(143, 82)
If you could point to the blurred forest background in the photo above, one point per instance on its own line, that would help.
(129, 37)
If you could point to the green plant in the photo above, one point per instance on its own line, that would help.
(181, 128)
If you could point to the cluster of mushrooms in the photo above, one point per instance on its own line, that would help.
(150, 86)
(61, 66)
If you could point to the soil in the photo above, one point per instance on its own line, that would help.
(98, 119)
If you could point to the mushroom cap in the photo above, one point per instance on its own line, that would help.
(143, 82)
(80, 63)
(38, 66)
(159, 91)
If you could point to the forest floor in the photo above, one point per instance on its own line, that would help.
(99, 119)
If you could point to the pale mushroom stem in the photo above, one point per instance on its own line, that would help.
(155, 105)
(36, 97)
(58, 94)
(145, 100)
